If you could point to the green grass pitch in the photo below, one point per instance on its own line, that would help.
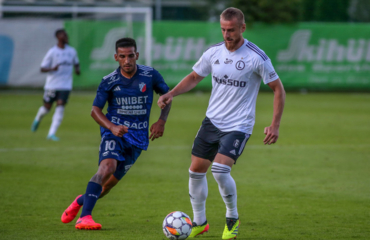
(313, 184)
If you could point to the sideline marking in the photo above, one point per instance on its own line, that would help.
(184, 147)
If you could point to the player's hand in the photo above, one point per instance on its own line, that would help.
(164, 100)
(272, 134)
(157, 129)
(119, 130)
(55, 68)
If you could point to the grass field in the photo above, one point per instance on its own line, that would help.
(313, 184)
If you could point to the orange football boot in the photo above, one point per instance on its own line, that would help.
(87, 223)
(70, 213)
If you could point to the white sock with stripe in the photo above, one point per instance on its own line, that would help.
(227, 188)
(57, 120)
(41, 112)
(198, 191)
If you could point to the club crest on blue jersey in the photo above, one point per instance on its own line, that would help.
(142, 87)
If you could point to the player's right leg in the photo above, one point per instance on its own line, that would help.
(43, 110)
(203, 152)
(198, 192)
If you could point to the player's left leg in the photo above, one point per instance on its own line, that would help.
(112, 181)
(221, 168)
(231, 147)
(62, 98)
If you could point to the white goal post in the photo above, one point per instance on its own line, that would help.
(147, 11)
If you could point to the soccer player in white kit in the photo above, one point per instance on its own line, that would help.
(237, 67)
(58, 63)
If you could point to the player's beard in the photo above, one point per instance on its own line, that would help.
(129, 70)
(231, 45)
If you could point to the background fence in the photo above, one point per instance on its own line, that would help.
(314, 56)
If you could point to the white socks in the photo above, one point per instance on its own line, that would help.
(41, 112)
(227, 187)
(198, 191)
(57, 120)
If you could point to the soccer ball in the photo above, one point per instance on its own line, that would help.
(177, 225)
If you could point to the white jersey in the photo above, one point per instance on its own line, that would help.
(236, 79)
(66, 58)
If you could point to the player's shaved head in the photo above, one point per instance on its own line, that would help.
(126, 42)
(59, 31)
(229, 13)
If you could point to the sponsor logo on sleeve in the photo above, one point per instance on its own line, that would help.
(113, 79)
(145, 74)
(272, 74)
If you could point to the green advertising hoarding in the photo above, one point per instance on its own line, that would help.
(306, 56)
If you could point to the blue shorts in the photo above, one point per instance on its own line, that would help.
(118, 148)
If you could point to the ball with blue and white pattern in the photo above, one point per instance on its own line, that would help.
(177, 225)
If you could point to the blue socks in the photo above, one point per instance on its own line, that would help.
(80, 200)
(92, 194)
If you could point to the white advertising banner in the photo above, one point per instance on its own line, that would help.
(23, 44)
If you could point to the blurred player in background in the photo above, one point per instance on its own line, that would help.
(124, 129)
(58, 63)
(237, 67)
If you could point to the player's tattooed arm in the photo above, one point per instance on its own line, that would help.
(102, 120)
(165, 111)
(157, 129)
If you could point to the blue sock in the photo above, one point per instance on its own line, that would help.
(92, 194)
(80, 200)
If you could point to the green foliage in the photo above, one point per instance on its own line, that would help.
(313, 184)
(325, 10)
(269, 11)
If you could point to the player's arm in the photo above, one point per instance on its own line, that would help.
(186, 84)
(77, 68)
(98, 115)
(272, 132)
(157, 129)
(50, 69)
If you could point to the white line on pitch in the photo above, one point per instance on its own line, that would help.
(184, 147)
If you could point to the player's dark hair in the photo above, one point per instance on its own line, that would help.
(125, 42)
(229, 13)
(59, 31)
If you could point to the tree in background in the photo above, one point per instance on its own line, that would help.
(359, 10)
(269, 11)
(325, 10)
(290, 11)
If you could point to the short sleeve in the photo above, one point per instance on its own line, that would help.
(47, 60)
(267, 72)
(101, 96)
(203, 67)
(159, 85)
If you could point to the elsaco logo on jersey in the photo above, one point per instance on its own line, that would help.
(229, 82)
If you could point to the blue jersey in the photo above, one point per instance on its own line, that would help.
(130, 101)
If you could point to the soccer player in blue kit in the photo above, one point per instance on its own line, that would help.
(124, 129)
